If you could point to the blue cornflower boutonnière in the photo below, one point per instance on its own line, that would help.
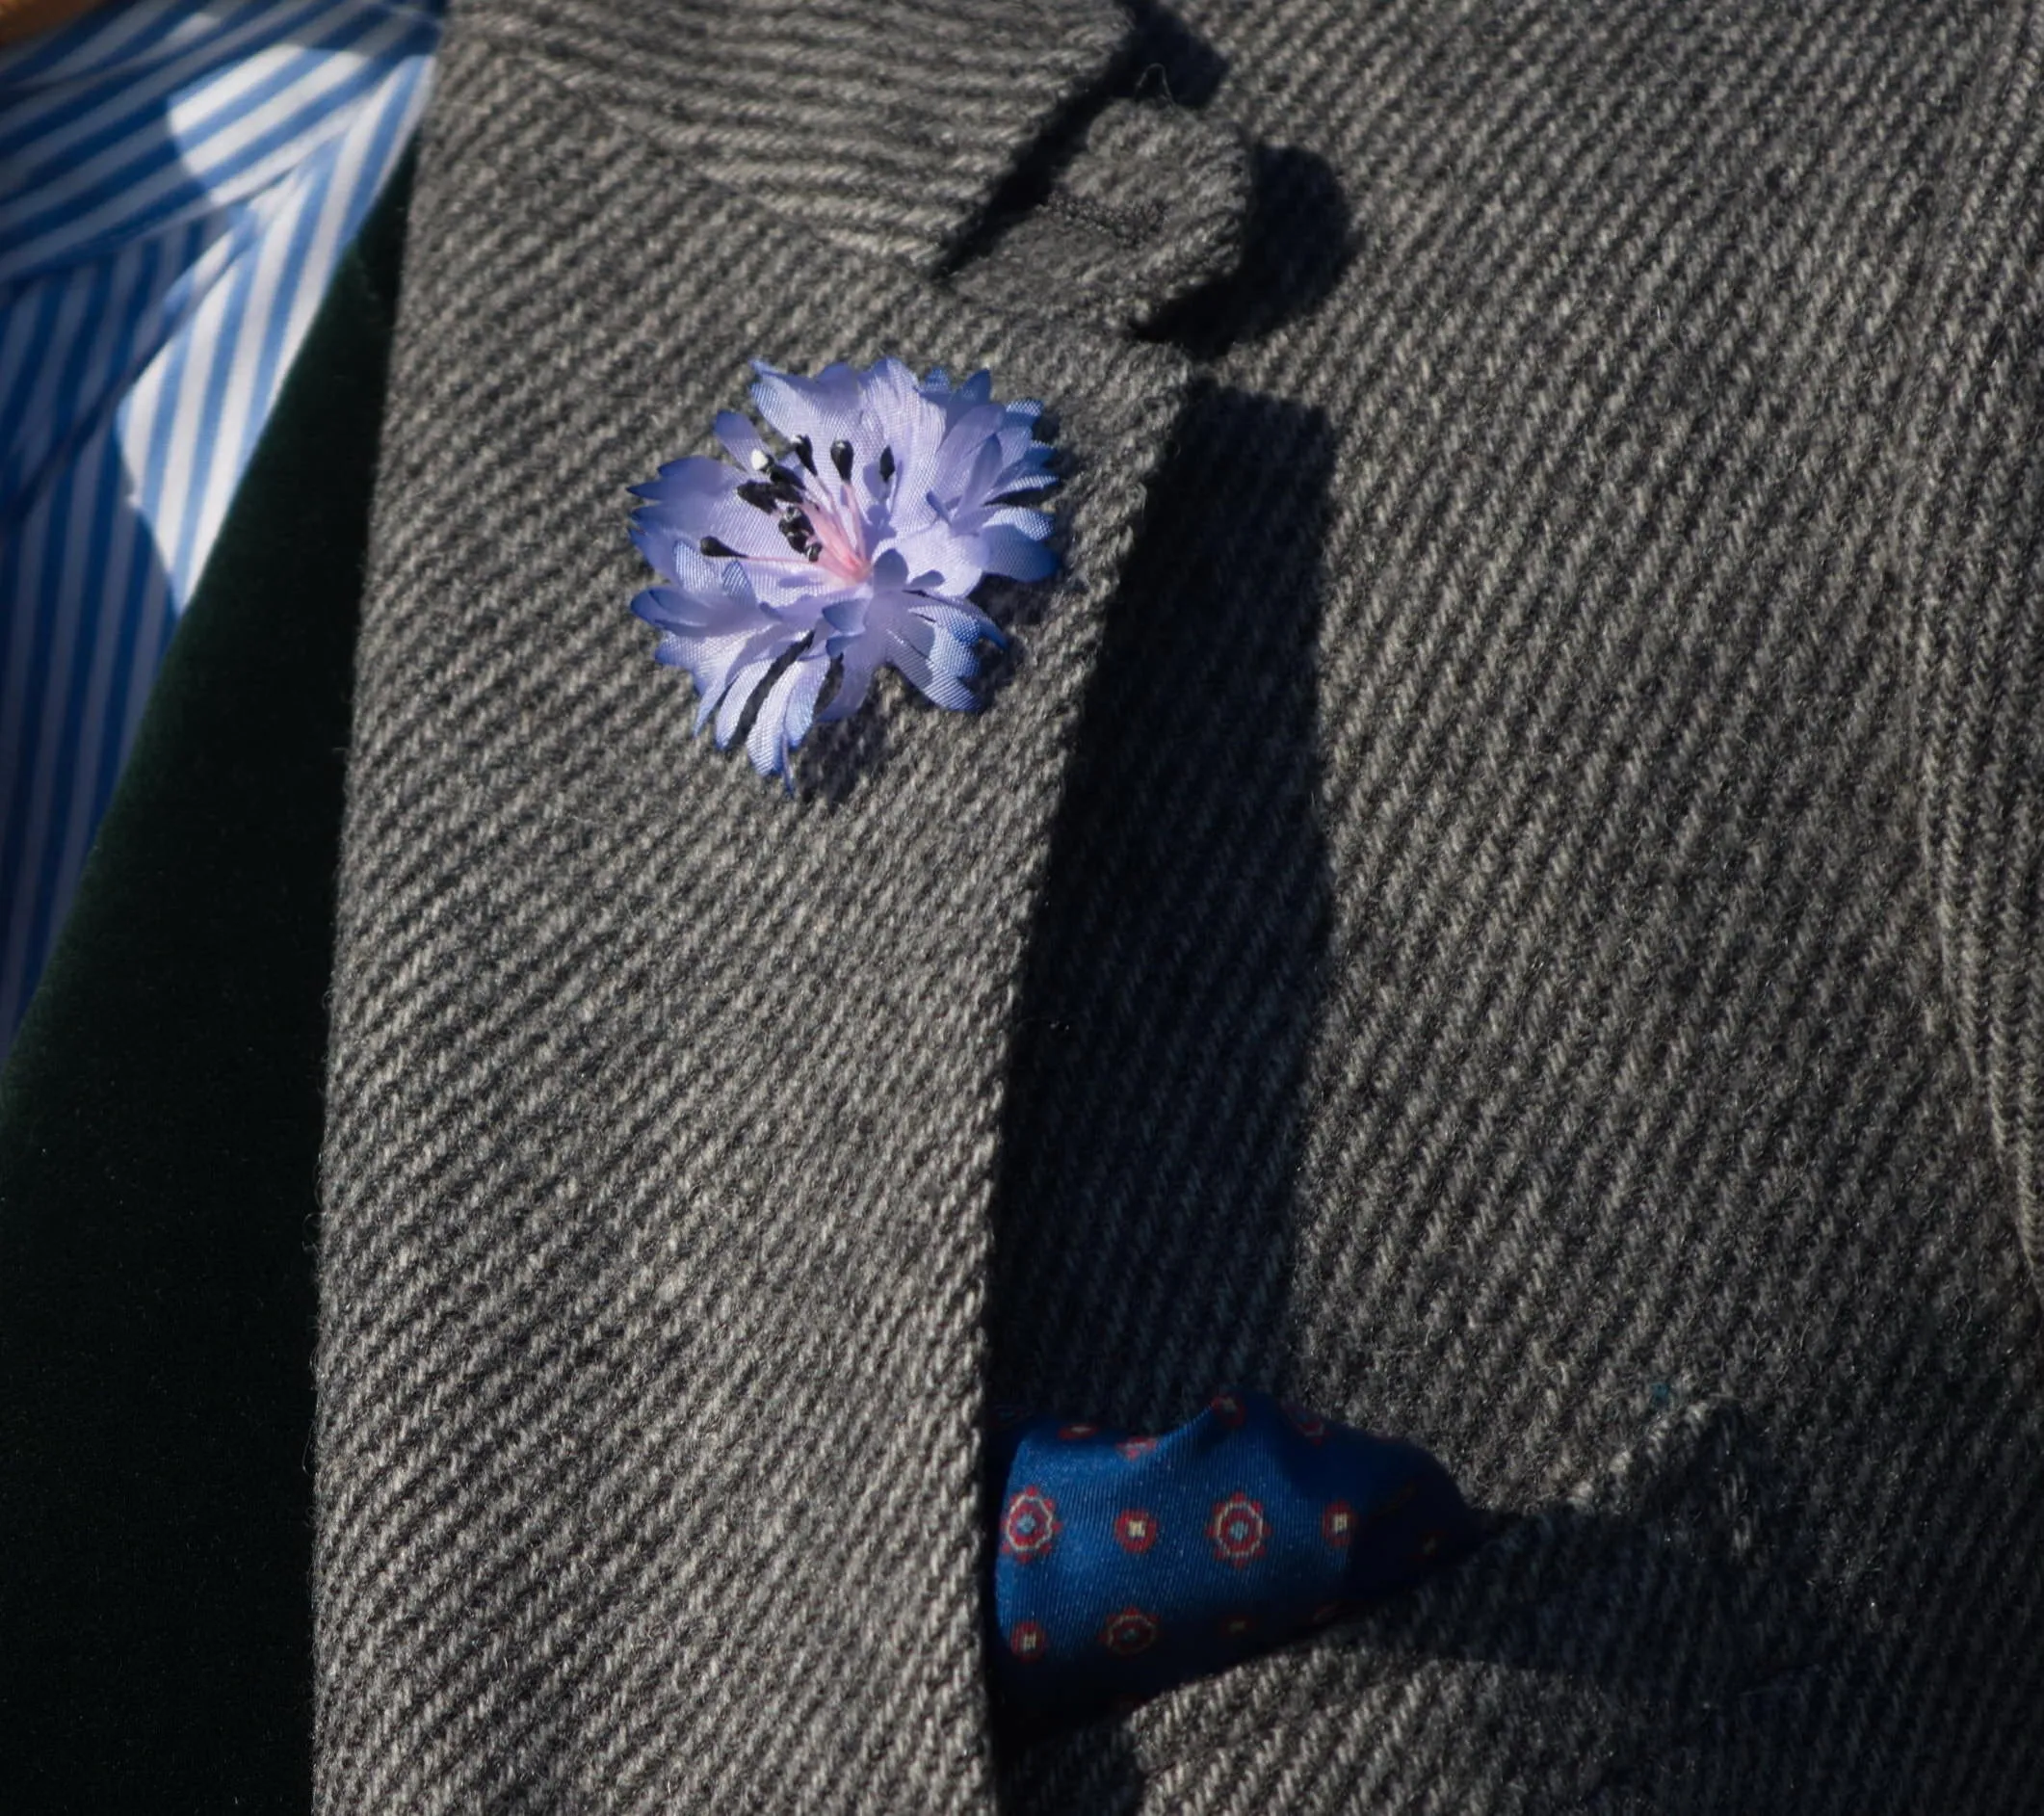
(859, 543)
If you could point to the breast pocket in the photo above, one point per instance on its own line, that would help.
(1645, 1645)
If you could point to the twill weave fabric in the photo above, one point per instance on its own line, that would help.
(1499, 899)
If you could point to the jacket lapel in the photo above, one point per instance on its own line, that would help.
(1968, 547)
(663, 1108)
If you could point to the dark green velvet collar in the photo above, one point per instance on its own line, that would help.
(159, 1133)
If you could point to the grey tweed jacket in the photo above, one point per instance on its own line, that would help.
(1501, 895)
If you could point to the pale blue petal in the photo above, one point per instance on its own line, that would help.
(823, 408)
(785, 713)
(967, 623)
(660, 606)
(936, 548)
(1033, 523)
(814, 668)
(1022, 479)
(709, 661)
(698, 497)
(933, 670)
(741, 441)
(744, 684)
(1004, 550)
(854, 679)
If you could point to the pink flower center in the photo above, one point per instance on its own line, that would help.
(844, 554)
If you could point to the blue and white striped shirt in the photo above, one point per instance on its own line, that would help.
(178, 185)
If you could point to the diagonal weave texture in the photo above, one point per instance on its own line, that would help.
(593, 1249)
(886, 125)
(1635, 1032)
(1971, 555)
(1107, 240)
(1502, 904)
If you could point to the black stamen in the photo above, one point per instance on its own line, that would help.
(716, 550)
(757, 493)
(840, 459)
(803, 452)
(887, 467)
(786, 486)
(798, 532)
